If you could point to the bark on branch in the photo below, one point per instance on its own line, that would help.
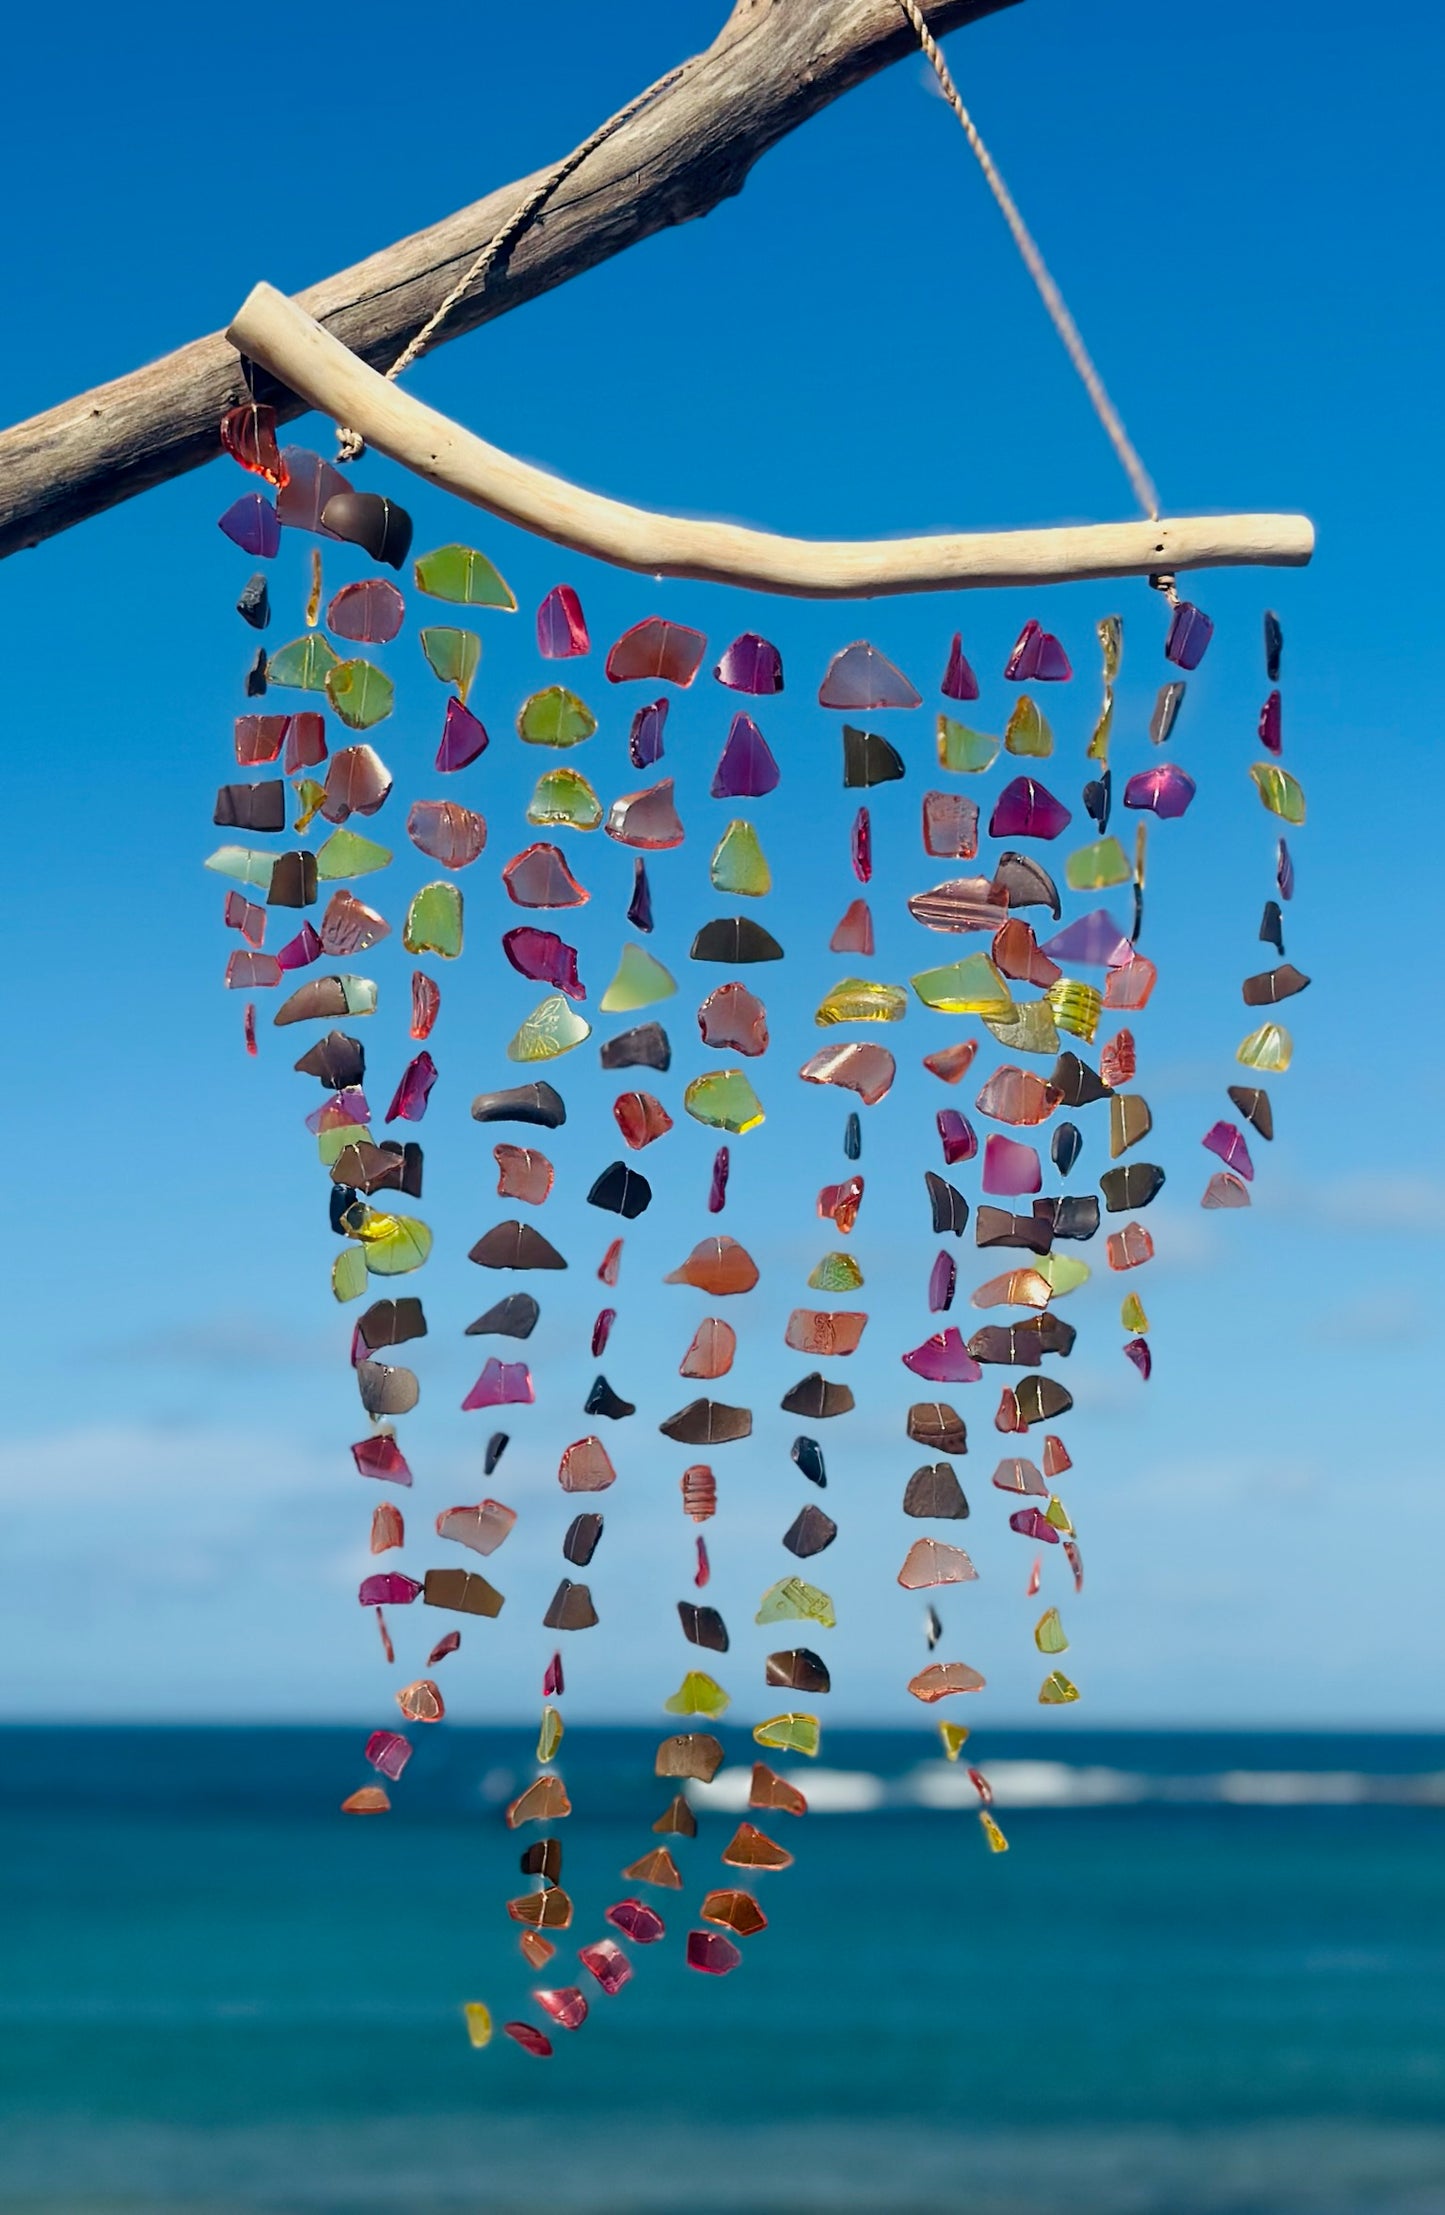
(774, 64)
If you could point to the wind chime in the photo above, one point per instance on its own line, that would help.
(1057, 997)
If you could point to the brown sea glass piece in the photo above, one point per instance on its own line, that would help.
(732, 1019)
(798, 1670)
(934, 1423)
(769, 1790)
(934, 1490)
(1129, 1121)
(656, 1867)
(570, 1608)
(515, 1245)
(461, 1591)
(1253, 1104)
(544, 1801)
(586, 1467)
(677, 1819)
(941, 1678)
(708, 1423)
(656, 648)
(1263, 991)
(703, 1626)
(538, 877)
(1016, 952)
(952, 1063)
(550, 1910)
(718, 1266)
(735, 1911)
(810, 1532)
(853, 933)
(536, 1950)
(695, 1754)
(349, 926)
(817, 1398)
(523, 1174)
(750, 1848)
(713, 1348)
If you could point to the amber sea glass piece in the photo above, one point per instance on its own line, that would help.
(718, 1266)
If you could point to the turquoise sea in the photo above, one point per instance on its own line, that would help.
(1208, 1976)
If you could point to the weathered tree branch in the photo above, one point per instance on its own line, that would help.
(774, 64)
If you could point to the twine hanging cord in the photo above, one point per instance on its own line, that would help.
(350, 445)
(1034, 262)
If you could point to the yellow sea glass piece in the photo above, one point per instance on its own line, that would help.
(1092, 868)
(1029, 1029)
(1141, 849)
(554, 1027)
(454, 656)
(479, 2022)
(962, 749)
(795, 1734)
(792, 1600)
(698, 1694)
(302, 666)
(955, 1738)
(1109, 630)
(1281, 793)
(739, 863)
(549, 1737)
(857, 1000)
(347, 854)
(310, 797)
(1049, 1633)
(1057, 1690)
(1098, 746)
(555, 717)
(836, 1272)
(564, 800)
(434, 921)
(461, 573)
(361, 693)
(1269, 1048)
(348, 1274)
(1131, 1313)
(1076, 1007)
(724, 1100)
(971, 986)
(393, 1245)
(1062, 1273)
(313, 597)
(1028, 730)
(997, 1843)
(1057, 1514)
(640, 982)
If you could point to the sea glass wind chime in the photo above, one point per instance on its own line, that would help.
(1051, 1003)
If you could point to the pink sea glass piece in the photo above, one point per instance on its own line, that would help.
(305, 741)
(942, 1284)
(370, 613)
(656, 648)
(426, 1000)
(734, 1020)
(501, 1384)
(408, 1102)
(854, 931)
(746, 768)
(610, 1267)
(388, 1588)
(950, 826)
(1224, 1190)
(861, 677)
(959, 681)
(349, 926)
(860, 846)
(1227, 1140)
(248, 971)
(462, 739)
(710, 1952)
(637, 1921)
(342, 1108)
(605, 1960)
(1271, 726)
(561, 625)
(648, 819)
(602, 1330)
(446, 832)
(538, 877)
(299, 952)
(544, 957)
(751, 664)
(389, 1752)
(523, 1173)
(1094, 941)
(717, 1190)
(1009, 1166)
(1118, 1061)
(952, 1063)
(566, 2006)
(1190, 631)
(1018, 1096)
(443, 1647)
(712, 1350)
(553, 1685)
(241, 915)
(1027, 809)
(641, 1118)
(943, 1359)
(1130, 983)
(381, 1457)
(1165, 791)
(1037, 658)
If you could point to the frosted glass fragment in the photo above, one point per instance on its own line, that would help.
(816, 1331)
(692, 1754)
(718, 1266)
(724, 1100)
(942, 1283)
(1093, 868)
(958, 681)
(637, 1922)
(1225, 1190)
(1130, 1247)
(538, 877)
(796, 1734)
(739, 864)
(934, 1491)
(252, 524)
(552, 1028)
(452, 656)
(1017, 1096)
(639, 907)
(941, 1679)
(460, 573)
(950, 826)
(929, 1563)
(1273, 985)
(522, 1174)
(640, 981)
(304, 664)
(570, 1608)
(965, 751)
(1253, 1104)
(860, 677)
(952, 1063)
(1269, 1048)
(711, 1350)
(1284, 872)
(958, 904)
(658, 649)
(1227, 1141)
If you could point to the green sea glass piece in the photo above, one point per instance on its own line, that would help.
(1270, 1048)
(971, 986)
(564, 797)
(434, 921)
(836, 1273)
(392, 1245)
(461, 573)
(310, 799)
(1091, 868)
(1281, 793)
(1028, 730)
(792, 1600)
(554, 1027)
(1030, 1029)
(1049, 1633)
(555, 717)
(330, 1143)
(361, 693)
(1131, 1313)
(1098, 746)
(857, 1000)
(698, 1694)
(348, 1274)
(795, 1734)
(640, 982)
(454, 656)
(304, 665)
(724, 1100)
(347, 854)
(244, 864)
(1062, 1273)
(549, 1735)
(739, 863)
(962, 749)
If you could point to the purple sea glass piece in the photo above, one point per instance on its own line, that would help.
(642, 1924)
(644, 740)
(960, 1141)
(1227, 1140)
(252, 524)
(860, 846)
(713, 1954)
(463, 738)
(751, 664)
(501, 1384)
(544, 957)
(718, 1189)
(1037, 658)
(1190, 631)
(639, 907)
(1095, 941)
(1027, 809)
(310, 483)
(1138, 1352)
(959, 681)
(746, 768)
(346, 1106)
(944, 1359)
(1031, 1522)
(1009, 1166)
(1271, 728)
(942, 1284)
(388, 1588)
(1284, 871)
(389, 1752)
(561, 625)
(1165, 791)
(408, 1103)
(299, 952)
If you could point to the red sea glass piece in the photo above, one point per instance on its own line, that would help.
(610, 1266)
(1128, 986)
(305, 741)
(1017, 954)
(370, 613)
(710, 1952)
(605, 1960)
(841, 1202)
(1190, 631)
(248, 435)
(388, 1588)
(854, 932)
(462, 739)
(860, 677)
(553, 1685)
(544, 957)
(252, 524)
(746, 768)
(531, 2041)
(750, 664)
(1118, 1061)
(734, 1020)
(641, 1118)
(943, 1359)
(501, 1384)
(443, 1647)
(1027, 809)
(861, 846)
(959, 681)
(426, 1000)
(952, 1063)
(1037, 658)
(446, 832)
(381, 1457)
(658, 649)
(1137, 1351)
(389, 1752)
(258, 738)
(566, 2006)
(538, 877)
(1031, 1522)
(408, 1102)
(561, 626)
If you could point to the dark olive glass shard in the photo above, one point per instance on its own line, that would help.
(1007, 1345)
(621, 1191)
(514, 1245)
(293, 881)
(256, 676)
(703, 1626)
(1075, 1215)
(853, 1137)
(808, 1455)
(337, 1060)
(1075, 1082)
(1098, 799)
(571, 1608)
(809, 1532)
(391, 1323)
(371, 521)
(1252, 1102)
(1021, 882)
(1273, 985)
(1042, 1399)
(817, 1399)
(462, 1590)
(1065, 1147)
(869, 759)
(994, 1226)
(514, 1317)
(1053, 1333)
(252, 807)
(580, 1543)
(602, 1400)
(1133, 1184)
(543, 1858)
(254, 605)
(800, 1669)
(1273, 645)
(934, 1423)
(343, 1203)
(734, 939)
(950, 1209)
(644, 1047)
(385, 1390)
(1136, 927)
(935, 1490)
(496, 1447)
(1271, 926)
(708, 1423)
(523, 1103)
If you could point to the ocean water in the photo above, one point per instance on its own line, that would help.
(1209, 1976)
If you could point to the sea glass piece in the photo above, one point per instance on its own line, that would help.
(357, 783)
(1227, 1141)
(708, 1423)
(1027, 809)
(545, 958)
(250, 972)
(409, 1101)
(1028, 731)
(817, 1331)
(251, 807)
(950, 826)
(750, 664)
(746, 769)
(349, 926)
(347, 854)
(935, 1424)
(860, 677)
(586, 1466)
(798, 1670)
(450, 834)
(1065, 1147)
(735, 940)
(949, 1207)
(243, 863)
(539, 878)
(724, 1100)
(1133, 1185)
(1270, 1048)
(655, 648)
(522, 1174)
(1056, 1689)
(1037, 658)
(563, 798)
(698, 1694)
(463, 739)
(248, 435)
(858, 1000)
(640, 1923)
(482, 1528)
(258, 739)
(1273, 985)
(1190, 631)
(868, 759)
(943, 1359)
(567, 2007)
(555, 717)
(971, 986)
(515, 1245)
(1019, 1288)
(561, 625)
(840, 1203)
(860, 844)
(305, 664)
(1019, 1476)
(621, 1191)
(461, 574)
(1166, 791)
(1130, 983)
(732, 1018)
(796, 1734)
(570, 1608)
(371, 613)
(1094, 867)
(648, 819)
(958, 681)
(1281, 793)
(929, 1563)
(867, 1070)
(1225, 1190)
(718, 1266)
(640, 981)
(369, 520)
(739, 864)
(293, 881)
(1130, 1247)
(710, 1952)
(434, 923)
(952, 1063)
(934, 1491)
(328, 996)
(1138, 1351)
(605, 1960)
(252, 524)
(1254, 1105)
(941, 1679)
(602, 1400)
(702, 1626)
(1093, 941)
(641, 1119)
(1166, 711)
(1017, 1096)
(310, 484)
(959, 1139)
(816, 1399)
(1076, 1007)
(963, 750)
(501, 1384)
(552, 1028)
(695, 1754)
(711, 1350)
(1129, 1121)
(639, 907)
(853, 933)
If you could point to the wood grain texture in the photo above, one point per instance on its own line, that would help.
(774, 64)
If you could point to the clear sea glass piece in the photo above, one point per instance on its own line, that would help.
(563, 798)
(554, 1027)
(461, 574)
(1269, 1048)
(859, 677)
(724, 1100)
(963, 750)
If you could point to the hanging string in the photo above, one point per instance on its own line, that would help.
(1034, 262)
(350, 445)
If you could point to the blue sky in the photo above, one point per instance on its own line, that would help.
(848, 347)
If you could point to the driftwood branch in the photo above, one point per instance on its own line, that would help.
(774, 64)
